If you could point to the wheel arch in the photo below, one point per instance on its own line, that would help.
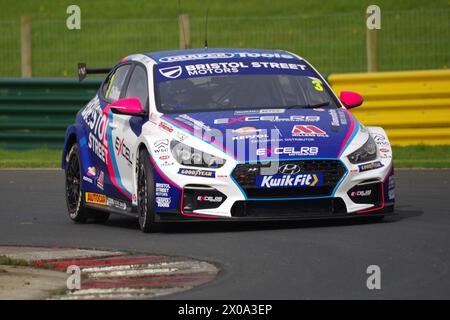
(70, 140)
(141, 145)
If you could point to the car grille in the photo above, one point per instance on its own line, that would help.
(308, 208)
(332, 170)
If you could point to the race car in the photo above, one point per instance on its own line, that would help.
(223, 135)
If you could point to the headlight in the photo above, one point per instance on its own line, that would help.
(189, 156)
(367, 152)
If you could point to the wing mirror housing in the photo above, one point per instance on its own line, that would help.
(128, 106)
(350, 99)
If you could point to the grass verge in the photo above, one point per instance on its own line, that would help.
(5, 261)
(30, 159)
(422, 156)
(419, 156)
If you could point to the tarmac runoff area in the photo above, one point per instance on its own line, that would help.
(40, 273)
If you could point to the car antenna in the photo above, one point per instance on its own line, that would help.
(206, 29)
(182, 24)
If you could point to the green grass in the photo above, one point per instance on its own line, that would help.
(404, 157)
(422, 156)
(415, 34)
(30, 159)
(14, 262)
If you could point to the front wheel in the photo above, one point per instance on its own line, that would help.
(145, 194)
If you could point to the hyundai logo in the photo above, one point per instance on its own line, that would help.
(171, 72)
(289, 169)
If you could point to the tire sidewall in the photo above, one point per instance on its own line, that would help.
(147, 221)
(74, 151)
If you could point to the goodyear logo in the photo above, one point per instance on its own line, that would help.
(370, 166)
(95, 198)
(289, 180)
(197, 173)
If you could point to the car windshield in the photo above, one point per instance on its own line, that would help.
(238, 91)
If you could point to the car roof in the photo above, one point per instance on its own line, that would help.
(157, 56)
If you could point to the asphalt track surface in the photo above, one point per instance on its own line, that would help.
(306, 260)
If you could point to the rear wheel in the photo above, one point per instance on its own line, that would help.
(77, 211)
(145, 194)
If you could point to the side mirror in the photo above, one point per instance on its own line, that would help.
(129, 106)
(350, 99)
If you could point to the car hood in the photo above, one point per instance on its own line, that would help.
(252, 135)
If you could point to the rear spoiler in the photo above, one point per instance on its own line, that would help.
(83, 71)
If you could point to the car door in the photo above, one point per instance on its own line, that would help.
(125, 129)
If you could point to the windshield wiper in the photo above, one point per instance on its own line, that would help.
(308, 106)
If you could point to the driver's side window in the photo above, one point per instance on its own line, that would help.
(113, 87)
(137, 86)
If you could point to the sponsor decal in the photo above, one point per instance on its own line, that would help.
(153, 118)
(91, 172)
(197, 172)
(342, 117)
(370, 166)
(391, 188)
(209, 199)
(391, 194)
(334, 118)
(97, 122)
(95, 198)
(380, 140)
(385, 153)
(293, 118)
(361, 193)
(162, 189)
(224, 55)
(161, 146)
(164, 126)
(289, 180)
(165, 157)
(236, 66)
(249, 133)
(181, 137)
(123, 150)
(110, 202)
(87, 179)
(246, 130)
(263, 137)
(167, 163)
(300, 130)
(171, 72)
(99, 149)
(163, 202)
(291, 151)
(193, 122)
(259, 111)
(100, 180)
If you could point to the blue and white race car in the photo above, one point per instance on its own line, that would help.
(224, 134)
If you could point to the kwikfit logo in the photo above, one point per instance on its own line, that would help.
(289, 180)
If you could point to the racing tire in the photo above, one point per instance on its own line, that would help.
(77, 211)
(146, 194)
